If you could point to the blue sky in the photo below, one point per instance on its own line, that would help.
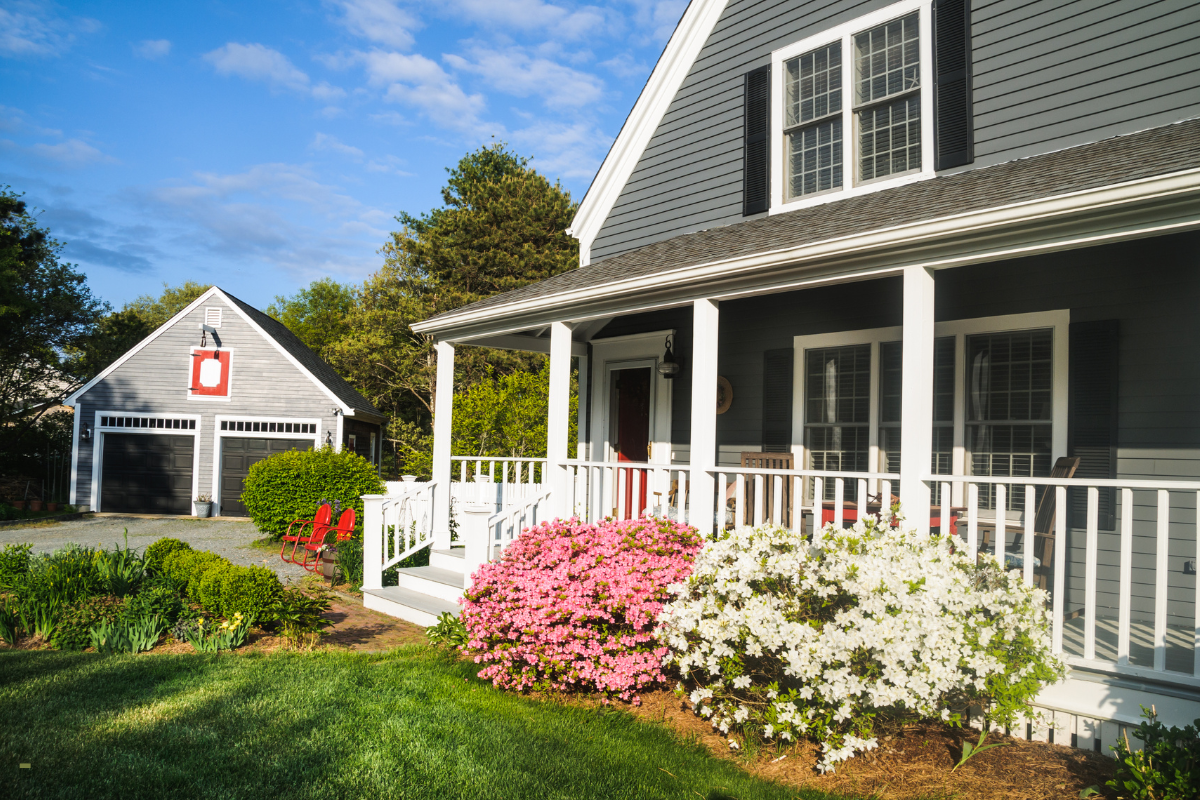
(261, 145)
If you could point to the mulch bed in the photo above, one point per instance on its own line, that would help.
(912, 763)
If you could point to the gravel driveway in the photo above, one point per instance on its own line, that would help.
(227, 537)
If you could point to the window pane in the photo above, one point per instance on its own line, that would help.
(814, 85)
(887, 60)
(815, 159)
(1009, 376)
(889, 138)
(839, 448)
(837, 385)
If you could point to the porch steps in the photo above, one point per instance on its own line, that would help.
(423, 593)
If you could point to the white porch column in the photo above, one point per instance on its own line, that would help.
(557, 418)
(705, 320)
(581, 446)
(443, 410)
(916, 407)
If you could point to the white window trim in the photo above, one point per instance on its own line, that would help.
(219, 434)
(845, 33)
(99, 431)
(624, 352)
(210, 398)
(1058, 321)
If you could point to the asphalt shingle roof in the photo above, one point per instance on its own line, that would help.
(1158, 151)
(310, 360)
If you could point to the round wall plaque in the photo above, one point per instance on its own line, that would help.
(724, 394)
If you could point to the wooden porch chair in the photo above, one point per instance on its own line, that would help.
(758, 460)
(1043, 525)
(295, 531)
(344, 530)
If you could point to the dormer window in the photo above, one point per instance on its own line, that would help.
(853, 106)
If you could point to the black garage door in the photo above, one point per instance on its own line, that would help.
(146, 473)
(237, 456)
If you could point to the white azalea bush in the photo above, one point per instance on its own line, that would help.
(781, 638)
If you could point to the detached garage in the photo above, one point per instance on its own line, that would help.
(188, 411)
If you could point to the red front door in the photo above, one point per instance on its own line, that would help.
(631, 399)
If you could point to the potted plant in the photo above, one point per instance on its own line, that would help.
(35, 505)
(52, 507)
(204, 505)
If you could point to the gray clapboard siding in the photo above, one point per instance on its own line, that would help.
(1047, 75)
(155, 380)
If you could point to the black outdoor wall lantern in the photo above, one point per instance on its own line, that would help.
(668, 367)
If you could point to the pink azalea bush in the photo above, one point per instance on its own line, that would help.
(572, 605)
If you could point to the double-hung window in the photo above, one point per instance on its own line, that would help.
(853, 106)
(837, 411)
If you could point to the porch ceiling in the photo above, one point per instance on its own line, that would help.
(995, 212)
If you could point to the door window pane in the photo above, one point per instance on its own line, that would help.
(837, 411)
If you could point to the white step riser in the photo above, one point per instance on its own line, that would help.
(399, 610)
(443, 561)
(431, 588)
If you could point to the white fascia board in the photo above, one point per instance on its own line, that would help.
(523, 344)
(925, 232)
(283, 351)
(74, 398)
(673, 65)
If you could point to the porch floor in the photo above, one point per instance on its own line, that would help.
(1141, 643)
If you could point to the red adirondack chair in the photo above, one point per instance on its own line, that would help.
(319, 524)
(344, 530)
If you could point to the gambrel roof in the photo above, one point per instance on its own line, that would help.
(287, 343)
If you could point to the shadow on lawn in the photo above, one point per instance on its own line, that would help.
(412, 723)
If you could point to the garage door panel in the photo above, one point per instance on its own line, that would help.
(146, 473)
(237, 456)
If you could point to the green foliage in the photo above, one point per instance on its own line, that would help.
(154, 311)
(1166, 768)
(299, 616)
(969, 749)
(317, 315)
(290, 485)
(350, 561)
(448, 632)
(202, 564)
(127, 635)
(10, 620)
(77, 621)
(206, 636)
(158, 552)
(154, 601)
(121, 569)
(250, 591)
(14, 564)
(208, 586)
(60, 578)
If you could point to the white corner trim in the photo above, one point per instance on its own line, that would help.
(70, 401)
(673, 66)
(75, 412)
(341, 423)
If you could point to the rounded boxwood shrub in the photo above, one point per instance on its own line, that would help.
(157, 553)
(197, 566)
(208, 586)
(251, 591)
(291, 485)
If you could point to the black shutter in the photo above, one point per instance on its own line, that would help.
(756, 133)
(953, 127)
(777, 401)
(1092, 415)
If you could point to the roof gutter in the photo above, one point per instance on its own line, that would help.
(992, 220)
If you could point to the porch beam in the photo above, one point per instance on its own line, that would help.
(705, 325)
(557, 418)
(916, 409)
(443, 410)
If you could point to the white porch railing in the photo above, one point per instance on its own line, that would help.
(1124, 601)
(395, 526)
(502, 470)
(626, 489)
(786, 497)
(506, 525)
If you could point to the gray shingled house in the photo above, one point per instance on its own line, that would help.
(187, 411)
(936, 250)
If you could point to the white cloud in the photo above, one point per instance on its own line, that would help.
(379, 21)
(563, 150)
(323, 141)
(655, 20)
(624, 66)
(325, 92)
(417, 81)
(257, 62)
(34, 29)
(152, 48)
(535, 15)
(514, 72)
(70, 153)
(15, 120)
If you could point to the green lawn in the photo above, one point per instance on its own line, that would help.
(412, 723)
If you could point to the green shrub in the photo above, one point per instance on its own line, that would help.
(350, 561)
(207, 564)
(250, 591)
(152, 601)
(157, 553)
(75, 625)
(121, 569)
(14, 564)
(1166, 768)
(187, 568)
(299, 616)
(290, 485)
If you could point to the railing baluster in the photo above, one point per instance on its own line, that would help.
(862, 499)
(1160, 580)
(1060, 567)
(972, 519)
(839, 501)
(739, 506)
(818, 508)
(1000, 546)
(622, 481)
(759, 504)
(944, 508)
(777, 505)
(795, 506)
(462, 467)
(722, 500)
(1126, 579)
(1030, 519)
(1089, 574)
